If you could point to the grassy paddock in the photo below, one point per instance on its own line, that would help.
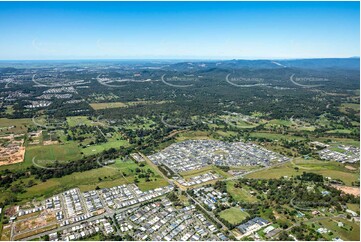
(188, 174)
(274, 136)
(95, 149)
(20, 125)
(240, 194)
(331, 169)
(66, 152)
(354, 106)
(106, 105)
(99, 106)
(193, 135)
(113, 175)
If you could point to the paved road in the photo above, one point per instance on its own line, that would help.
(211, 214)
(109, 213)
(151, 164)
(252, 171)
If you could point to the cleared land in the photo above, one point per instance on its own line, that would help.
(353, 106)
(94, 149)
(331, 169)
(98, 106)
(106, 105)
(349, 190)
(193, 135)
(274, 136)
(14, 126)
(109, 176)
(188, 174)
(240, 194)
(79, 120)
(65, 152)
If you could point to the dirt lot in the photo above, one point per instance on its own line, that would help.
(350, 168)
(349, 190)
(36, 222)
(13, 158)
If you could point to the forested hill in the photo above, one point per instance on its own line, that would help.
(325, 63)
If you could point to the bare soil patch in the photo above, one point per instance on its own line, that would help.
(348, 190)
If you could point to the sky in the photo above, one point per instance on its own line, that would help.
(178, 30)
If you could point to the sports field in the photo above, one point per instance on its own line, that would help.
(234, 215)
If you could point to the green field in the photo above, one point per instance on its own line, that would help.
(88, 180)
(98, 106)
(78, 120)
(345, 233)
(193, 135)
(338, 141)
(354, 207)
(47, 153)
(188, 174)
(9, 109)
(106, 105)
(94, 149)
(279, 122)
(339, 131)
(61, 152)
(140, 123)
(331, 169)
(354, 106)
(226, 134)
(233, 215)
(20, 125)
(240, 194)
(274, 136)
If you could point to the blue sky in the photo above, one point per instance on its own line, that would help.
(206, 30)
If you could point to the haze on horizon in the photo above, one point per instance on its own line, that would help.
(178, 30)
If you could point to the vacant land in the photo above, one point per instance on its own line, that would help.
(331, 169)
(80, 120)
(188, 174)
(14, 126)
(273, 136)
(64, 152)
(193, 135)
(240, 194)
(349, 190)
(106, 105)
(6, 233)
(113, 175)
(98, 106)
(94, 149)
(350, 106)
(33, 232)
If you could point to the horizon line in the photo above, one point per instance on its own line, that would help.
(184, 59)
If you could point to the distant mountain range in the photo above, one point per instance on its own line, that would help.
(195, 65)
(322, 63)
